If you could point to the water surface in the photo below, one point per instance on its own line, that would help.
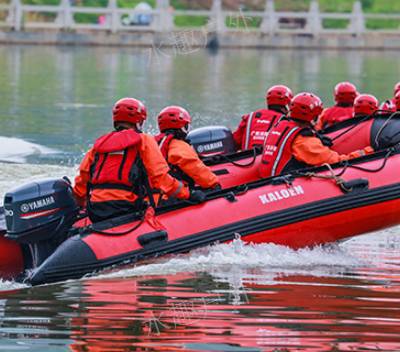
(230, 297)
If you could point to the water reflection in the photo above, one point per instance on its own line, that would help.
(232, 308)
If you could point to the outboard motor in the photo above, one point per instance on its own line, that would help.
(40, 215)
(212, 140)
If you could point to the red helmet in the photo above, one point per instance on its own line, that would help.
(174, 117)
(397, 101)
(396, 88)
(129, 110)
(345, 93)
(388, 106)
(279, 95)
(305, 106)
(365, 104)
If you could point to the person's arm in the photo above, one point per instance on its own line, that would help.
(184, 156)
(239, 133)
(83, 177)
(157, 169)
(311, 151)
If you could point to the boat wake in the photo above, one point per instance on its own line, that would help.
(12, 175)
(268, 259)
(10, 285)
(15, 150)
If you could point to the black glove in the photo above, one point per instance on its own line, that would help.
(197, 197)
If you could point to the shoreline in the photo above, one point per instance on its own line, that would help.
(189, 39)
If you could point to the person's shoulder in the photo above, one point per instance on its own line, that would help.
(148, 139)
(180, 144)
(245, 117)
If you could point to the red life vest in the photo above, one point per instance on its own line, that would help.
(257, 126)
(336, 114)
(116, 155)
(277, 151)
(163, 140)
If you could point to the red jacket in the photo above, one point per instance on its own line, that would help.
(333, 115)
(114, 144)
(180, 154)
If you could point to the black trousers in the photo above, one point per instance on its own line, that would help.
(99, 211)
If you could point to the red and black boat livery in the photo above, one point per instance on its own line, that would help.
(303, 208)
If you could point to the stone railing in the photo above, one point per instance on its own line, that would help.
(162, 18)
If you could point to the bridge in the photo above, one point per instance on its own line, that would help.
(272, 26)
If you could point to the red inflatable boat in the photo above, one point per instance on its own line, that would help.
(304, 208)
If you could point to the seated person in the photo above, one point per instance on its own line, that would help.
(344, 94)
(254, 126)
(387, 107)
(365, 105)
(396, 101)
(293, 142)
(174, 122)
(396, 89)
(115, 174)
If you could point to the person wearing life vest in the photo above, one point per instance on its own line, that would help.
(365, 105)
(397, 101)
(253, 127)
(396, 89)
(293, 142)
(344, 94)
(387, 107)
(116, 174)
(174, 122)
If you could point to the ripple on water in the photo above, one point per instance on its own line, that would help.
(13, 175)
(15, 150)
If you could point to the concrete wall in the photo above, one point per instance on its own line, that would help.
(187, 40)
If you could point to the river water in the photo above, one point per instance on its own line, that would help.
(230, 297)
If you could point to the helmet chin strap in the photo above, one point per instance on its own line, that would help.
(186, 129)
(139, 126)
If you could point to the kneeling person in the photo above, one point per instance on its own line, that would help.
(174, 122)
(293, 142)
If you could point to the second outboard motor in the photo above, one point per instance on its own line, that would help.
(212, 140)
(40, 215)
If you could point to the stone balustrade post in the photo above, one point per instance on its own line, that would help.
(357, 22)
(165, 18)
(65, 17)
(113, 19)
(314, 23)
(217, 18)
(270, 21)
(15, 15)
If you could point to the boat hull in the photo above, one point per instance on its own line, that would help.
(308, 212)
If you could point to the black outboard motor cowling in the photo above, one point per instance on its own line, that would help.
(385, 132)
(212, 140)
(40, 214)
